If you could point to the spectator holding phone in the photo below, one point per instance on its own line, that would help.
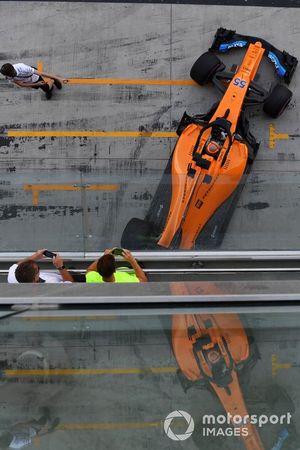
(104, 269)
(28, 271)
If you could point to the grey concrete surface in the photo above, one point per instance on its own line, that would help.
(128, 400)
(131, 41)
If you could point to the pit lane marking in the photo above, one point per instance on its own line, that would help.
(276, 365)
(128, 81)
(70, 318)
(10, 373)
(109, 426)
(37, 188)
(40, 66)
(95, 134)
(273, 136)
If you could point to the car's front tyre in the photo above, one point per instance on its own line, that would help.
(206, 66)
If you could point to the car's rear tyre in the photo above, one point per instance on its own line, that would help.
(138, 235)
(277, 101)
(205, 68)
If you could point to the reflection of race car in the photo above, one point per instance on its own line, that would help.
(214, 349)
(213, 152)
(217, 352)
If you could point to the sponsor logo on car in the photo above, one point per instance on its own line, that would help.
(225, 47)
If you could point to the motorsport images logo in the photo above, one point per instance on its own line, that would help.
(179, 414)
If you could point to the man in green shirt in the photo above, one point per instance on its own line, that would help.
(104, 270)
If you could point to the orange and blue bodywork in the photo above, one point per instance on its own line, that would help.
(204, 174)
(213, 151)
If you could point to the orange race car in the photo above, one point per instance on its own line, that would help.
(214, 151)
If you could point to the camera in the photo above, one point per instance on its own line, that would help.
(49, 254)
(117, 251)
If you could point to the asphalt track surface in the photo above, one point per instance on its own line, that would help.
(74, 170)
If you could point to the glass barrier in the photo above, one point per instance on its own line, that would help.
(130, 380)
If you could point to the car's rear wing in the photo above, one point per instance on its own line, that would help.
(285, 64)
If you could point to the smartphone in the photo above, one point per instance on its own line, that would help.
(49, 254)
(117, 251)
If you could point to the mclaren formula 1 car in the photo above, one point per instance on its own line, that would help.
(206, 172)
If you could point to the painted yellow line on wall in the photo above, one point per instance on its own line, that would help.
(273, 136)
(103, 134)
(109, 426)
(89, 372)
(37, 188)
(130, 81)
(276, 366)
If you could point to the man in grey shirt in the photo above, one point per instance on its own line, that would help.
(28, 77)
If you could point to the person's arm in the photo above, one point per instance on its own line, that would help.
(28, 85)
(35, 257)
(59, 264)
(49, 75)
(135, 265)
(92, 267)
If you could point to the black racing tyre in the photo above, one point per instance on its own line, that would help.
(277, 100)
(138, 235)
(205, 68)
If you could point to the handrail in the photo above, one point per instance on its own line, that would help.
(192, 270)
(172, 255)
(142, 295)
